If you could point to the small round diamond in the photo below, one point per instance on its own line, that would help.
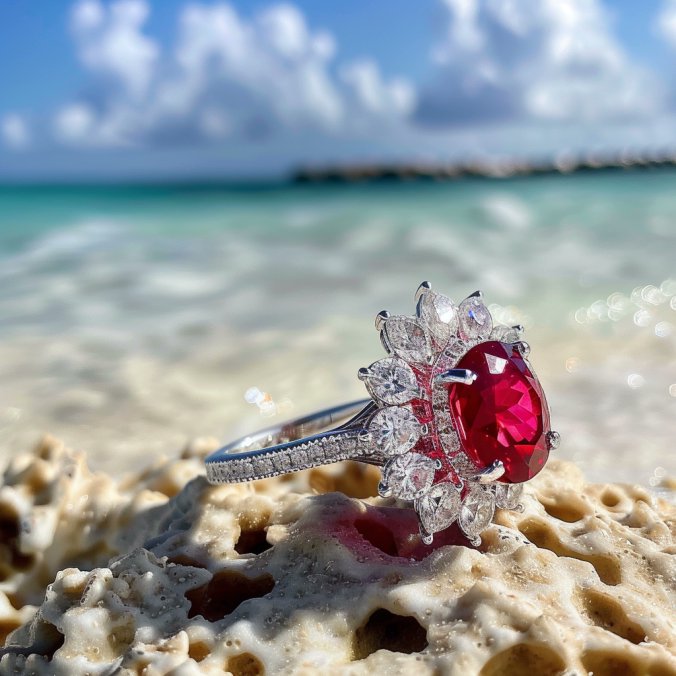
(408, 476)
(407, 339)
(476, 511)
(439, 507)
(395, 430)
(476, 322)
(391, 381)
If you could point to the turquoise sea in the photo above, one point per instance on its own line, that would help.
(133, 319)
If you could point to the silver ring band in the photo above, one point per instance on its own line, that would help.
(298, 444)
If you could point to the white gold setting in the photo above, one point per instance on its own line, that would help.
(407, 426)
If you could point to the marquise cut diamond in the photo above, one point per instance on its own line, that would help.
(391, 381)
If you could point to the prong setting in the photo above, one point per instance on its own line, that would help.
(384, 491)
(426, 537)
(524, 348)
(553, 440)
(416, 383)
(422, 290)
(464, 376)
(492, 473)
(381, 318)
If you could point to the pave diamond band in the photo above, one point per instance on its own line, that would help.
(457, 419)
(297, 445)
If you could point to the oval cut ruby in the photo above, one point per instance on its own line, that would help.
(503, 415)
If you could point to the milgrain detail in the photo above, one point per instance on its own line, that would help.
(261, 464)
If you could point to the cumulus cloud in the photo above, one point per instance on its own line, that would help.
(373, 94)
(548, 60)
(227, 75)
(110, 42)
(15, 132)
(666, 22)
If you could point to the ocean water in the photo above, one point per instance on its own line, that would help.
(133, 319)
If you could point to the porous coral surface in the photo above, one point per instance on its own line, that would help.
(161, 573)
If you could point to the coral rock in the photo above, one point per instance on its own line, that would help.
(162, 573)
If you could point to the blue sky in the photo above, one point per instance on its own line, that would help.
(150, 89)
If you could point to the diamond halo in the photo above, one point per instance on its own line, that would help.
(430, 453)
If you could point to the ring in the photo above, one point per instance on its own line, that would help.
(456, 418)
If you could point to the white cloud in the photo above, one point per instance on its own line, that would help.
(74, 123)
(227, 76)
(549, 60)
(373, 94)
(666, 22)
(15, 132)
(110, 42)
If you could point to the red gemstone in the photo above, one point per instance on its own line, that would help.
(503, 415)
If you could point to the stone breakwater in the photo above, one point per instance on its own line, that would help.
(161, 573)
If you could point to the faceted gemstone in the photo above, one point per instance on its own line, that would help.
(503, 415)
(408, 476)
(440, 315)
(439, 507)
(506, 334)
(391, 381)
(476, 322)
(408, 339)
(395, 430)
(476, 511)
(507, 495)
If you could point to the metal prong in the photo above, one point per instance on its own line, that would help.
(426, 537)
(381, 318)
(524, 348)
(476, 294)
(464, 376)
(495, 471)
(422, 289)
(384, 491)
(363, 373)
(475, 541)
(553, 440)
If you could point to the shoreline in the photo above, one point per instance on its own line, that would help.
(365, 172)
(488, 169)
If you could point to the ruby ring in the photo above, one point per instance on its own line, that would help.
(456, 418)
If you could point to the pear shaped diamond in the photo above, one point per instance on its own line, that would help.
(507, 495)
(408, 476)
(406, 337)
(440, 315)
(476, 511)
(476, 322)
(439, 507)
(395, 430)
